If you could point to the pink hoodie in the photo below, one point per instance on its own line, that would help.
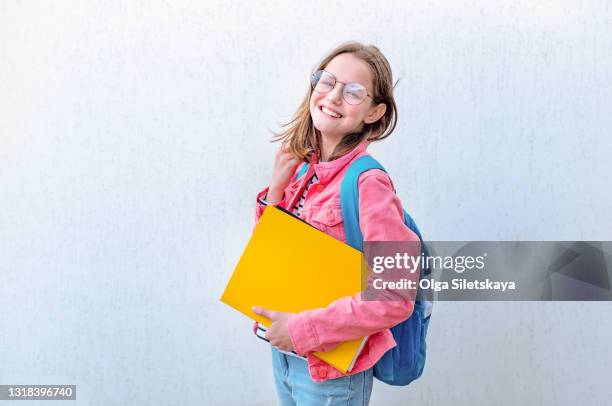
(380, 219)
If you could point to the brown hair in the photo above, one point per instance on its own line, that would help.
(300, 137)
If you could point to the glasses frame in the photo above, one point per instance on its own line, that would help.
(313, 85)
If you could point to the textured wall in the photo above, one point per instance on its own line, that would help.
(133, 139)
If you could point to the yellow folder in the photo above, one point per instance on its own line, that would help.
(290, 266)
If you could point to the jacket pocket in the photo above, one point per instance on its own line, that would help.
(329, 220)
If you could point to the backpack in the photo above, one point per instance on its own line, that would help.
(405, 362)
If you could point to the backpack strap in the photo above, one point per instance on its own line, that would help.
(349, 201)
(302, 170)
(349, 198)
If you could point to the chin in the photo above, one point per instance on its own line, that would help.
(324, 125)
(324, 129)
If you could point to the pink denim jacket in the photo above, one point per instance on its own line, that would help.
(381, 219)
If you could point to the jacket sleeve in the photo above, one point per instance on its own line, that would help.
(260, 205)
(381, 219)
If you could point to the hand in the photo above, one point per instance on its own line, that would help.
(278, 332)
(284, 167)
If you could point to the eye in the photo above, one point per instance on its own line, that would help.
(355, 88)
(323, 81)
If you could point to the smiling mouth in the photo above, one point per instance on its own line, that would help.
(329, 112)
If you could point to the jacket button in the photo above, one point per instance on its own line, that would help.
(322, 372)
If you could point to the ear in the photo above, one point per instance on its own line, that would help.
(375, 113)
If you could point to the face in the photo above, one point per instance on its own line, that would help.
(331, 114)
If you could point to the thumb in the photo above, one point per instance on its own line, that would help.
(271, 314)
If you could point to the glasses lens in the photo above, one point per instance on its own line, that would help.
(354, 93)
(323, 81)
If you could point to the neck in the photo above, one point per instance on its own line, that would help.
(328, 144)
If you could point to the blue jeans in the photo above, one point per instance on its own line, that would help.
(295, 387)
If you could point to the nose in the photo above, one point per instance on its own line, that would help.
(335, 95)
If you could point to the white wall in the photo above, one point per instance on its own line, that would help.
(133, 139)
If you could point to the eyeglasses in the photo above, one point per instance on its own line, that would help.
(353, 93)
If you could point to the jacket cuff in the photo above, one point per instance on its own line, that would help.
(260, 204)
(302, 333)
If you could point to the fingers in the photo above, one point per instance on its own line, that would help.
(272, 336)
(284, 148)
(284, 154)
(282, 347)
(271, 314)
(278, 343)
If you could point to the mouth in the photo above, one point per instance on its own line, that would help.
(330, 112)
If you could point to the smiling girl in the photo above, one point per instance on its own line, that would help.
(348, 105)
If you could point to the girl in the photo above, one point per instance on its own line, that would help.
(349, 104)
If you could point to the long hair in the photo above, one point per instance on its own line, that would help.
(300, 137)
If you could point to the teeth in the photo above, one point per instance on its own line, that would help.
(330, 112)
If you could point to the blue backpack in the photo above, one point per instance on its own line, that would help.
(405, 362)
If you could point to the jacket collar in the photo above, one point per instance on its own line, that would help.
(327, 170)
